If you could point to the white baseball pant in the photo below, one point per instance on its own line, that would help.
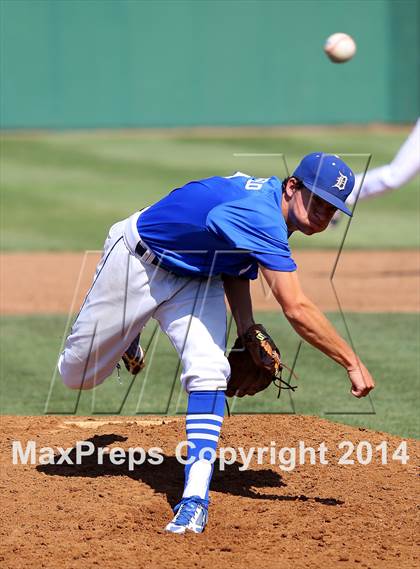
(127, 292)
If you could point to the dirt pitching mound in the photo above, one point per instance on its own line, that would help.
(108, 516)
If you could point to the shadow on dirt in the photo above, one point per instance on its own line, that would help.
(168, 477)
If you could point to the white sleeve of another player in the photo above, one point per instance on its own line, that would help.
(402, 169)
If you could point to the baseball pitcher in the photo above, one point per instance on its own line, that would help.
(174, 261)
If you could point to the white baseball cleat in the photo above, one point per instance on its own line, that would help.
(190, 514)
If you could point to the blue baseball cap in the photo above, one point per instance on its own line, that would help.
(328, 177)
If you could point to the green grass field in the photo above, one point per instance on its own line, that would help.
(62, 191)
(387, 343)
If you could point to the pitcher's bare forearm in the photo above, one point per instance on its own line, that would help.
(311, 324)
(307, 319)
(239, 297)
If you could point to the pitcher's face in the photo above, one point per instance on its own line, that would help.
(309, 213)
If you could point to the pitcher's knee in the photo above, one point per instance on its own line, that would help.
(210, 374)
(74, 373)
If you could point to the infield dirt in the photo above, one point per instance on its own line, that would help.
(91, 515)
(366, 281)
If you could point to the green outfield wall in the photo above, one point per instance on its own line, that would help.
(134, 63)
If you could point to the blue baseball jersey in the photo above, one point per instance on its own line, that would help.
(219, 226)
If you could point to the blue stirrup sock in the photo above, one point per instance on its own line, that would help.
(204, 421)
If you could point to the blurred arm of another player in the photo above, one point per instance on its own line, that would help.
(239, 297)
(311, 324)
(403, 168)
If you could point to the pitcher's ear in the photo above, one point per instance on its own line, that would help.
(291, 185)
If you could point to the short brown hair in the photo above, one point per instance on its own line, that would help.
(284, 183)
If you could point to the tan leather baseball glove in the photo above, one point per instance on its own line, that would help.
(255, 363)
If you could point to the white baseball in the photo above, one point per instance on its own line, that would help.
(340, 47)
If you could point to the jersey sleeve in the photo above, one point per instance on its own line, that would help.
(256, 226)
(276, 262)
